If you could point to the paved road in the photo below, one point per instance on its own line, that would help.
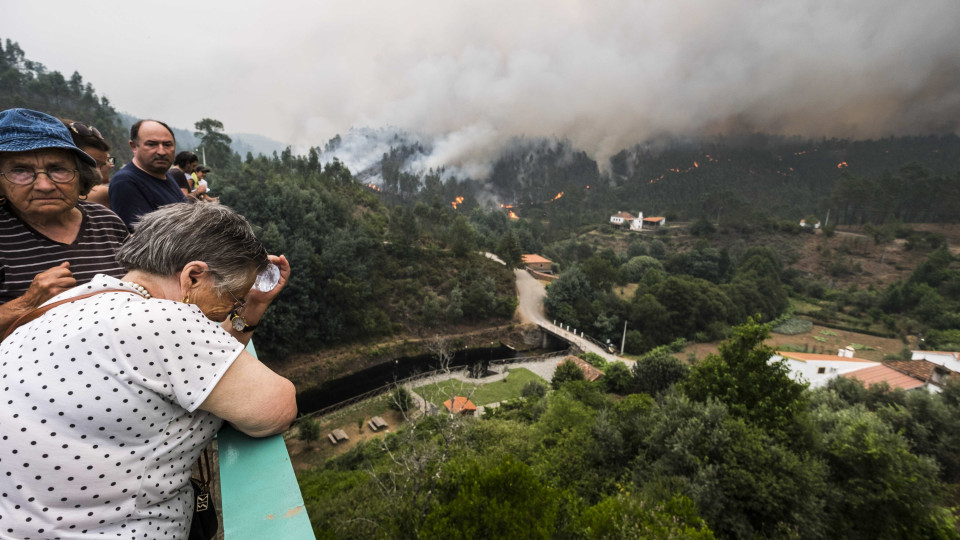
(531, 293)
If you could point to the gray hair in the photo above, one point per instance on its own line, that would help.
(168, 238)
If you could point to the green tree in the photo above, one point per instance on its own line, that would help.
(308, 429)
(880, 488)
(567, 371)
(461, 237)
(743, 377)
(508, 249)
(505, 500)
(657, 371)
(215, 143)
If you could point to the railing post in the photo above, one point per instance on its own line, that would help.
(259, 491)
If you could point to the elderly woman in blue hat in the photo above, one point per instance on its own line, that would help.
(50, 239)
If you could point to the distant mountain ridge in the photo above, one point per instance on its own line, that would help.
(242, 143)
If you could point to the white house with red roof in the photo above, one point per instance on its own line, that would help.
(818, 369)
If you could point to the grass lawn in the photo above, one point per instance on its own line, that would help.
(480, 394)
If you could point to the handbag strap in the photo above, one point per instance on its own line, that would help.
(37, 312)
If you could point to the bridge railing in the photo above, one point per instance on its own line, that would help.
(259, 494)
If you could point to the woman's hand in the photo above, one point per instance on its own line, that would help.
(49, 283)
(260, 297)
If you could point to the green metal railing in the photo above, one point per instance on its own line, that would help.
(258, 489)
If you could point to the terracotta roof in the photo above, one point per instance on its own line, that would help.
(810, 357)
(460, 404)
(590, 373)
(533, 258)
(654, 218)
(920, 369)
(877, 374)
(625, 215)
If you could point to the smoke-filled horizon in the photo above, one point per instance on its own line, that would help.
(472, 76)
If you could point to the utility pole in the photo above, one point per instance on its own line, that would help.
(623, 341)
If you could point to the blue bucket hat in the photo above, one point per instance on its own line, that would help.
(23, 130)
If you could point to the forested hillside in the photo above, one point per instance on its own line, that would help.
(26, 83)
(728, 448)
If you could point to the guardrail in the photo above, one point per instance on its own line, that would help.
(423, 375)
(258, 489)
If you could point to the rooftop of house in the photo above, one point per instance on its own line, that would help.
(811, 357)
(459, 404)
(878, 374)
(920, 369)
(624, 215)
(654, 218)
(952, 353)
(534, 258)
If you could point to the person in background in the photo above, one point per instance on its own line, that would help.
(143, 185)
(50, 240)
(200, 175)
(183, 166)
(90, 140)
(136, 379)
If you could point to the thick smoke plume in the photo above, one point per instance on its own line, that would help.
(473, 75)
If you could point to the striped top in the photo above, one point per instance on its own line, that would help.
(24, 252)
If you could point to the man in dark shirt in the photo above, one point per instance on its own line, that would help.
(143, 185)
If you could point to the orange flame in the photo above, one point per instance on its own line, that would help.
(513, 216)
(695, 164)
(558, 195)
(456, 202)
(842, 165)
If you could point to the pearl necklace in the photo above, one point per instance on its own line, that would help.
(140, 289)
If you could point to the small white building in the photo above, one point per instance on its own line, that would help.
(634, 223)
(818, 369)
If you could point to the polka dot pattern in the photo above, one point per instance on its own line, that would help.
(99, 425)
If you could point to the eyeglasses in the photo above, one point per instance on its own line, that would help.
(22, 176)
(85, 131)
(236, 319)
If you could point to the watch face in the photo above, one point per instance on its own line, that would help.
(238, 323)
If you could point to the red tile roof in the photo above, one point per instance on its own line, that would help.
(654, 218)
(533, 258)
(920, 369)
(624, 215)
(877, 374)
(460, 404)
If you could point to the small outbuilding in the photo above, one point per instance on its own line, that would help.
(460, 405)
(538, 263)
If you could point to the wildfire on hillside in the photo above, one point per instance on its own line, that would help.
(374, 187)
(842, 165)
(558, 195)
(456, 202)
(513, 215)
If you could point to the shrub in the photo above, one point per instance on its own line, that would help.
(534, 389)
(308, 429)
(792, 327)
(401, 400)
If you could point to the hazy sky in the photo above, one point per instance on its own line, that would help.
(605, 74)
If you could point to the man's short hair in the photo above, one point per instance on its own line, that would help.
(135, 130)
(185, 157)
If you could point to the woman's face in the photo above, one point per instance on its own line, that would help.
(217, 304)
(103, 162)
(43, 198)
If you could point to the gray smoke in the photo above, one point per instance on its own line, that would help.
(471, 76)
